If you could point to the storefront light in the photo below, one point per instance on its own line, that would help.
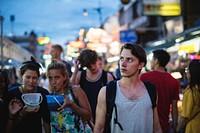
(195, 33)
(101, 49)
(176, 75)
(10, 61)
(150, 56)
(112, 59)
(181, 53)
(179, 39)
(46, 56)
(159, 42)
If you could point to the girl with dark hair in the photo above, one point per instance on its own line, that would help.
(190, 115)
(25, 120)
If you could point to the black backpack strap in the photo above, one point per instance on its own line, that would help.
(114, 77)
(110, 98)
(152, 93)
(104, 77)
(110, 104)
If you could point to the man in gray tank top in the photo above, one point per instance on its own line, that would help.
(133, 112)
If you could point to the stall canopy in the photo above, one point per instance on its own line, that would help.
(169, 41)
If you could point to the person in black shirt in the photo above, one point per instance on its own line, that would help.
(92, 79)
(3, 99)
(26, 120)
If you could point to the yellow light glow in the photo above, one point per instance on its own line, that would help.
(176, 75)
(187, 48)
(167, 9)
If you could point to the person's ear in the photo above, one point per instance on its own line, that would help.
(156, 61)
(141, 65)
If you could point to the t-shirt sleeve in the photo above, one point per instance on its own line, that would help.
(143, 77)
(187, 104)
(176, 91)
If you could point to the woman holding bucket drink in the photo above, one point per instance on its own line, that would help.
(69, 107)
(26, 116)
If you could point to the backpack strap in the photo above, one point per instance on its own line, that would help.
(152, 93)
(110, 104)
(104, 77)
(110, 98)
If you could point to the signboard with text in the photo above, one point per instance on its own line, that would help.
(128, 36)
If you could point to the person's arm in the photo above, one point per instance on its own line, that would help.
(174, 113)
(74, 74)
(46, 127)
(156, 123)
(14, 108)
(83, 109)
(182, 122)
(100, 112)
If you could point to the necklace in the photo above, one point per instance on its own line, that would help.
(65, 91)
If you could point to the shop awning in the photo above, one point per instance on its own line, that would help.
(169, 41)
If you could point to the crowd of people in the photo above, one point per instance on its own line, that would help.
(84, 92)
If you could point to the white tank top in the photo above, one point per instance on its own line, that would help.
(135, 116)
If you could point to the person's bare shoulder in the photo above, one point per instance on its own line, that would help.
(102, 93)
(110, 76)
(76, 88)
(78, 91)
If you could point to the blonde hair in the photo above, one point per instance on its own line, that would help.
(61, 66)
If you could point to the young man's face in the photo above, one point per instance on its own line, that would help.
(154, 62)
(94, 67)
(55, 53)
(100, 63)
(129, 64)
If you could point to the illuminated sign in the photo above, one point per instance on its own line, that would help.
(77, 44)
(187, 48)
(128, 36)
(43, 40)
(162, 7)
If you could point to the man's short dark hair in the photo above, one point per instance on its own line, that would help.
(162, 56)
(87, 57)
(58, 47)
(137, 50)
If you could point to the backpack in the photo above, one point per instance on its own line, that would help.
(110, 102)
